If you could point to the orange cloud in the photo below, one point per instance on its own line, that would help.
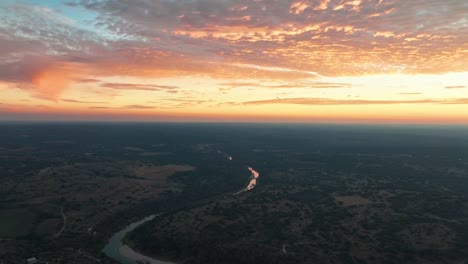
(298, 7)
(322, 5)
(241, 44)
(41, 76)
(50, 82)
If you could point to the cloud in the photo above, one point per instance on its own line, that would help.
(130, 107)
(455, 87)
(43, 77)
(328, 85)
(87, 80)
(140, 87)
(80, 102)
(100, 107)
(137, 107)
(240, 84)
(278, 69)
(299, 36)
(456, 101)
(324, 37)
(287, 85)
(182, 103)
(329, 101)
(410, 93)
(43, 50)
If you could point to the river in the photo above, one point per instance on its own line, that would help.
(252, 183)
(122, 253)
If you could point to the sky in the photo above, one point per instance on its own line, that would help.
(382, 61)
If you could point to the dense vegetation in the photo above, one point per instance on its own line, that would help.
(326, 193)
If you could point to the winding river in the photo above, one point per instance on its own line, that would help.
(253, 181)
(122, 253)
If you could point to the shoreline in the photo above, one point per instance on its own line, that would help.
(133, 255)
(117, 250)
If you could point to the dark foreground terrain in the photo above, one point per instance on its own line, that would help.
(326, 193)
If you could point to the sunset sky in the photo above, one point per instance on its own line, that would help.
(226, 60)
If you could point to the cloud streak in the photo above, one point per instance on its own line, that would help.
(128, 107)
(455, 87)
(411, 93)
(330, 101)
(318, 85)
(140, 87)
(80, 102)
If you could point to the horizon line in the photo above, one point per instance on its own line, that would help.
(233, 122)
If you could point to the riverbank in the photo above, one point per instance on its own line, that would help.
(122, 253)
(132, 255)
